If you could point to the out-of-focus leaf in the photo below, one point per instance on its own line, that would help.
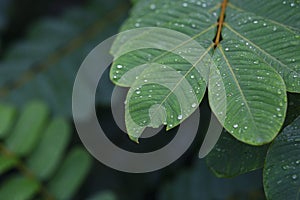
(282, 166)
(18, 188)
(28, 128)
(6, 163)
(7, 114)
(44, 65)
(198, 183)
(231, 157)
(293, 108)
(47, 155)
(71, 174)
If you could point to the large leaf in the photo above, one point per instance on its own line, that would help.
(231, 157)
(255, 64)
(282, 171)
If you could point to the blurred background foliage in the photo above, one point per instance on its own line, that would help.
(43, 43)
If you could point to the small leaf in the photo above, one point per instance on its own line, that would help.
(18, 187)
(7, 115)
(282, 166)
(6, 163)
(71, 174)
(28, 128)
(231, 157)
(47, 155)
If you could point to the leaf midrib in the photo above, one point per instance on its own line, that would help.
(238, 85)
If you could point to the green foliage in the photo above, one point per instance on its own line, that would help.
(282, 171)
(198, 183)
(35, 146)
(258, 60)
(231, 157)
(29, 69)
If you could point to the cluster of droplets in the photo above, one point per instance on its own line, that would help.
(292, 4)
(117, 72)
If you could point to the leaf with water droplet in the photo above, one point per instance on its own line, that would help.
(238, 157)
(282, 164)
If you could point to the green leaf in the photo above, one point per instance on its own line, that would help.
(255, 94)
(47, 155)
(231, 157)
(7, 115)
(28, 128)
(6, 163)
(273, 37)
(18, 187)
(282, 171)
(198, 183)
(71, 174)
(257, 62)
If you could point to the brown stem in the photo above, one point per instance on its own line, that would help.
(220, 22)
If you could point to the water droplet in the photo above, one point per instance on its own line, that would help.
(179, 117)
(264, 24)
(119, 66)
(278, 109)
(246, 127)
(274, 28)
(192, 76)
(138, 92)
(284, 2)
(114, 77)
(204, 5)
(137, 25)
(285, 167)
(294, 176)
(226, 49)
(235, 125)
(256, 62)
(152, 6)
(145, 80)
(193, 25)
(292, 4)
(255, 22)
(297, 162)
(194, 105)
(149, 95)
(184, 4)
